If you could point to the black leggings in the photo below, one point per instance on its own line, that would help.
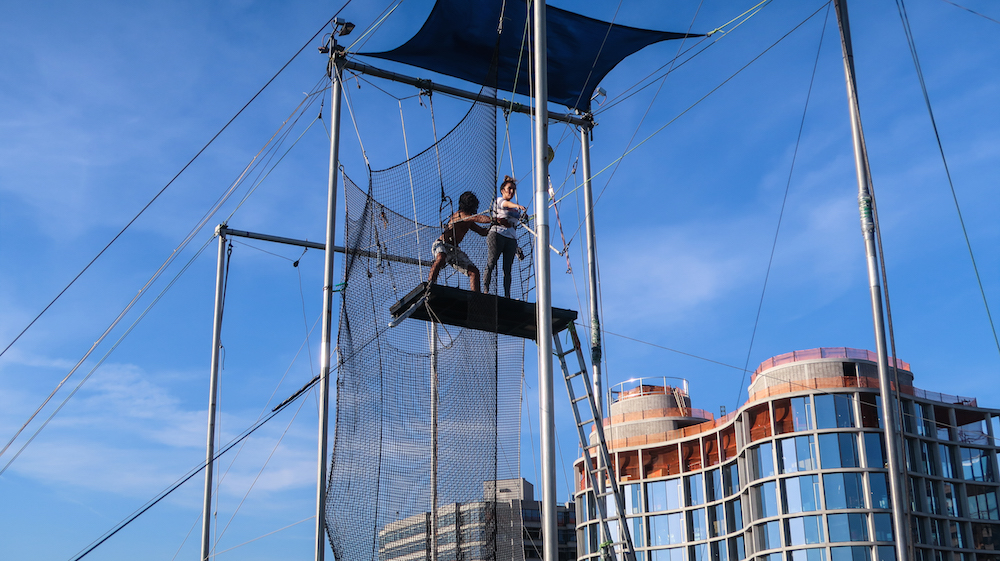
(497, 244)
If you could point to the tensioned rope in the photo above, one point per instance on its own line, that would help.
(171, 181)
(697, 102)
(944, 161)
(649, 107)
(269, 147)
(742, 18)
(193, 472)
(99, 363)
(971, 11)
(784, 200)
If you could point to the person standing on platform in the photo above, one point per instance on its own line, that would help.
(502, 239)
(445, 249)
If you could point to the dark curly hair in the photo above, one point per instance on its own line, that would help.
(468, 203)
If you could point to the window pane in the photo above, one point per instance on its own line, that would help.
(838, 450)
(731, 478)
(734, 515)
(672, 554)
(766, 499)
(763, 460)
(848, 527)
(717, 520)
(695, 492)
(800, 494)
(804, 530)
(663, 495)
(814, 554)
(982, 502)
(874, 450)
(834, 411)
(886, 553)
(666, 529)
(880, 490)
(883, 527)
(951, 500)
(930, 497)
(957, 539)
(802, 413)
(843, 490)
(698, 552)
(635, 528)
(737, 551)
(985, 536)
(713, 485)
(852, 553)
(947, 461)
(697, 530)
(797, 454)
(768, 535)
(719, 551)
(976, 465)
(633, 498)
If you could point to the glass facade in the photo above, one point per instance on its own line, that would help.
(800, 474)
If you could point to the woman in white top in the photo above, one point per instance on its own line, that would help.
(501, 238)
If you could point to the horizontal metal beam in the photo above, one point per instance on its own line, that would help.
(428, 85)
(223, 229)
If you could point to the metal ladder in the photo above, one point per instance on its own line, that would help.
(602, 473)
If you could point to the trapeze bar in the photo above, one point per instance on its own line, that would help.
(475, 310)
(478, 97)
(316, 245)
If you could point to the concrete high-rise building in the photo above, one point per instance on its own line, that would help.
(508, 529)
(799, 472)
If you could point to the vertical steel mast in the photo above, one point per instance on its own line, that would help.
(592, 296)
(900, 527)
(543, 287)
(335, 68)
(213, 393)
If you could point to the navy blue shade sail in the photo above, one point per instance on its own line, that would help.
(460, 39)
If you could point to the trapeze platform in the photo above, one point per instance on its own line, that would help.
(475, 310)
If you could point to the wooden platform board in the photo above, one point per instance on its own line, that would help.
(474, 310)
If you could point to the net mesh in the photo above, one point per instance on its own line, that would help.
(379, 496)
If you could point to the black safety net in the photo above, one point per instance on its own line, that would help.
(386, 450)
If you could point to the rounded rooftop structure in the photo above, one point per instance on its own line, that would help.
(805, 367)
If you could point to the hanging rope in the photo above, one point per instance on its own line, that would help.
(413, 193)
(170, 182)
(784, 200)
(944, 161)
(445, 199)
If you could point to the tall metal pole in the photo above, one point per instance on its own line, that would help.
(336, 62)
(595, 318)
(900, 528)
(434, 441)
(213, 390)
(546, 403)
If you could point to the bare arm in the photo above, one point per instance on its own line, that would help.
(508, 204)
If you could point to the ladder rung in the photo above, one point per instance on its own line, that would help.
(579, 399)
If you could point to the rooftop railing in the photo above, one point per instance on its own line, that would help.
(825, 352)
(656, 385)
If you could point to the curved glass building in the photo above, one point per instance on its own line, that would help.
(799, 472)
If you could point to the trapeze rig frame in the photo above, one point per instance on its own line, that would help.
(603, 473)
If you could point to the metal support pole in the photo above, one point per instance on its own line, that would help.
(213, 390)
(434, 441)
(546, 402)
(595, 318)
(900, 528)
(336, 61)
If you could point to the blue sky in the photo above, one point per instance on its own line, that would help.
(101, 104)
